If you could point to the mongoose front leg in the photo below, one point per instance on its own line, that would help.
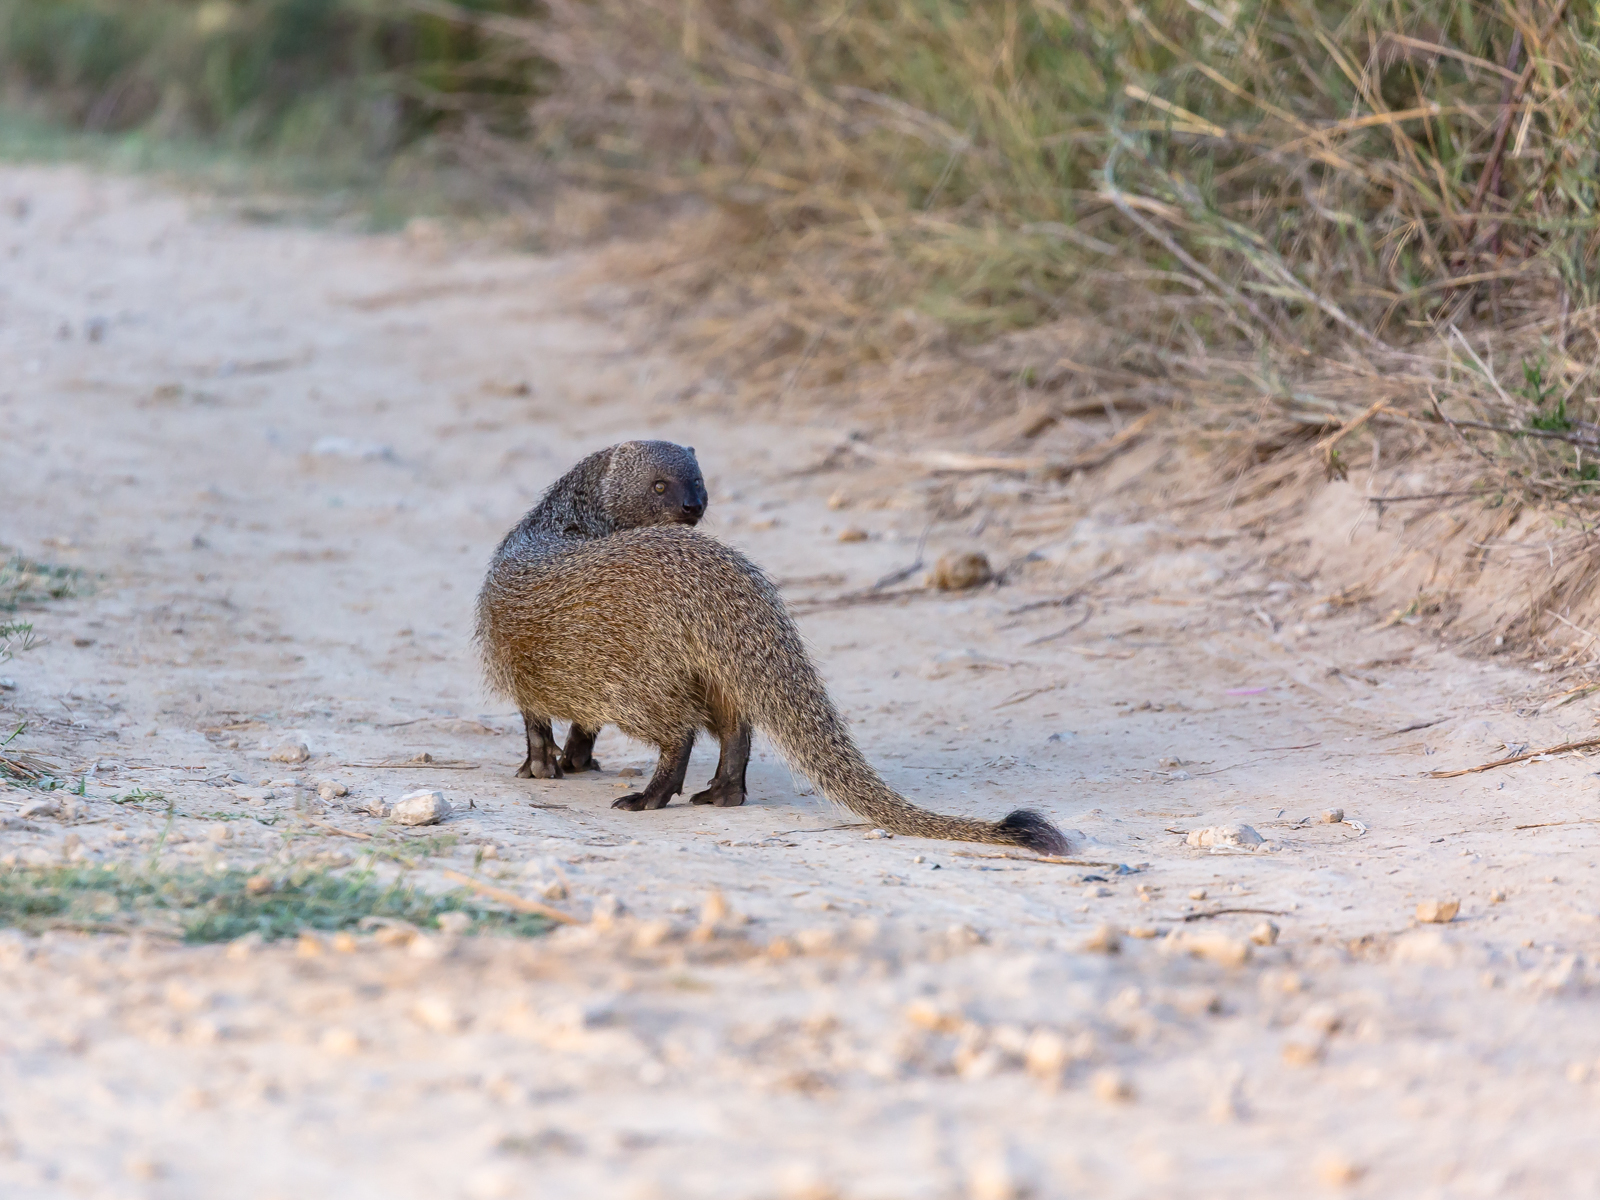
(579, 754)
(726, 789)
(541, 761)
(666, 783)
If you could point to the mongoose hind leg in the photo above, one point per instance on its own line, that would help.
(666, 783)
(579, 753)
(726, 789)
(541, 761)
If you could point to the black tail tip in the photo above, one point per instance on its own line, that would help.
(1029, 829)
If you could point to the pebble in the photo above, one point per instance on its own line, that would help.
(1111, 1086)
(379, 808)
(40, 808)
(1265, 934)
(1143, 932)
(1095, 891)
(1225, 835)
(342, 1042)
(421, 808)
(290, 752)
(960, 570)
(1438, 912)
(1498, 896)
(1212, 945)
(630, 772)
(877, 834)
(853, 534)
(219, 832)
(436, 1014)
(1333, 816)
(839, 500)
(1336, 1170)
(991, 1178)
(329, 789)
(1106, 939)
(715, 909)
(1197, 893)
(1046, 1055)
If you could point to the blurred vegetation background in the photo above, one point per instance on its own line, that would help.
(1291, 209)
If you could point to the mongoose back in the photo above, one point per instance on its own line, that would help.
(663, 631)
(626, 486)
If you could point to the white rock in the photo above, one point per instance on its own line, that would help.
(379, 808)
(872, 834)
(328, 789)
(1265, 934)
(40, 808)
(421, 808)
(1438, 912)
(1225, 835)
(290, 752)
(1333, 816)
(351, 448)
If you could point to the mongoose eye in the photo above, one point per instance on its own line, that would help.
(661, 488)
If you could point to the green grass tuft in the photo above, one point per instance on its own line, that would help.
(25, 581)
(201, 906)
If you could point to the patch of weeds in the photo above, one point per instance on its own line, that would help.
(27, 581)
(15, 637)
(26, 767)
(142, 799)
(200, 906)
(410, 851)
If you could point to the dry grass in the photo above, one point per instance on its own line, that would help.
(1327, 237)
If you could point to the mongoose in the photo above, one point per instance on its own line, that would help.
(625, 486)
(662, 631)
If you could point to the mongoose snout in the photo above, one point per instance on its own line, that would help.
(602, 608)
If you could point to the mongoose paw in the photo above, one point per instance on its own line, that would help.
(723, 795)
(574, 768)
(529, 771)
(639, 802)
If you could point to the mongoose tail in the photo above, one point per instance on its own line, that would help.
(779, 691)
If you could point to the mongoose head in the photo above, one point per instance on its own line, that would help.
(653, 483)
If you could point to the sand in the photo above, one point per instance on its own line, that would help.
(283, 455)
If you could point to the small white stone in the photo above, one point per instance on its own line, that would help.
(379, 808)
(1333, 816)
(1106, 939)
(290, 752)
(1438, 912)
(1265, 934)
(421, 808)
(876, 834)
(1225, 835)
(330, 789)
(40, 808)
(1111, 1086)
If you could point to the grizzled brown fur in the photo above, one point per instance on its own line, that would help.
(663, 631)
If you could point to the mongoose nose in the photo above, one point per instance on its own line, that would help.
(693, 510)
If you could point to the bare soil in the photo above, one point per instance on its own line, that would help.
(282, 457)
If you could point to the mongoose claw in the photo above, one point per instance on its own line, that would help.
(639, 802)
(720, 794)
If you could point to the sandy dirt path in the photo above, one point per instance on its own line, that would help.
(284, 455)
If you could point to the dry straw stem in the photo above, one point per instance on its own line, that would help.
(511, 899)
(1288, 226)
